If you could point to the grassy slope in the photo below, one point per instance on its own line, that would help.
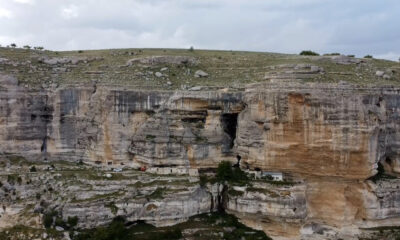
(226, 68)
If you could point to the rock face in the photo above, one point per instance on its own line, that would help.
(329, 139)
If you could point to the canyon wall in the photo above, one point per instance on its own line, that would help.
(328, 139)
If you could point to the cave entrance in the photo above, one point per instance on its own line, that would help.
(229, 124)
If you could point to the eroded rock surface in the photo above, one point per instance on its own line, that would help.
(328, 138)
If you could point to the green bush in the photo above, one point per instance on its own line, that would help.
(332, 54)
(60, 222)
(368, 56)
(157, 194)
(72, 221)
(115, 231)
(225, 172)
(308, 53)
(203, 181)
(33, 169)
(48, 219)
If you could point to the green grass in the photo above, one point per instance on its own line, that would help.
(225, 68)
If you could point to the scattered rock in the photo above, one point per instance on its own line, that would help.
(108, 175)
(196, 88)
(3, 60)
(315, 69)
(158, 74)
(200, 74)
(163, 69)
(379, 73)
(94, 72)
(60, 229)
(386, 77)
(169, 83)
(66, 60)
(345, 60)
(156, 60)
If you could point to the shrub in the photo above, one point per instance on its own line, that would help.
(308, 53)
(11, 179)
(19, 180)
(158, 193)
(203, 181)
(225, 172)
(332, 54)
(172, 234)
(80, 51)
(351, 55)
(33, 169)
(48, 220)
(72, 221)
(191, 49)
(13, 45)
(60, 222)
(27, 47)
(368, 56)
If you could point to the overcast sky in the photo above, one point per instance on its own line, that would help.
(347, 26)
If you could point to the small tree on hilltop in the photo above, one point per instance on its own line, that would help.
(308, 53)
(13, 45)
(27, 47)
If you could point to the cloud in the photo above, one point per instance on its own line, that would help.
(70, 12)
(363, 27)
(24, 1)
(4, 13)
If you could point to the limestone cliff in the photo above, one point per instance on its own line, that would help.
(336, 144)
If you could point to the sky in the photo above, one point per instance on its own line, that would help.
(357, 27)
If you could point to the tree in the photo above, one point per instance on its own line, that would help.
(308, 53)
(191, 49)
(224, 171)
(13, 45)
(368, 56)
(27, 47)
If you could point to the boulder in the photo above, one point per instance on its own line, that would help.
(200, 74)
(156, 60)
(158, 74)
(380, 73)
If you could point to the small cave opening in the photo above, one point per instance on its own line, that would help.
(229, 124)
(43, 148)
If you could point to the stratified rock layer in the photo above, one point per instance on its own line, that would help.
(327, 138)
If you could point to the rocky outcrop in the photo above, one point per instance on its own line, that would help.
(329, 138)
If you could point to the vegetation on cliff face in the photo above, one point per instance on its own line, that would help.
(218, 226)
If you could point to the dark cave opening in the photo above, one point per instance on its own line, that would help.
(229, 124)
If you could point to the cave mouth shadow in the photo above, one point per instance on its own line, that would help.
(229, 124)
